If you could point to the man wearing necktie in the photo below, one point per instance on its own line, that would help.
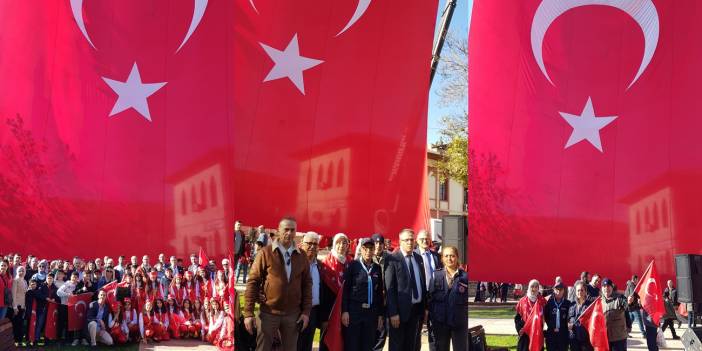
(556, 317)
(406, 291)
(431, 263)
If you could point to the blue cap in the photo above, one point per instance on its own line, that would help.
(377, 238)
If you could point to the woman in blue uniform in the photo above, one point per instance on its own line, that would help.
(362, 302)
(448, 303)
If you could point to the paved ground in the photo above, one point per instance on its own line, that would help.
(178, 345)
(636, 342)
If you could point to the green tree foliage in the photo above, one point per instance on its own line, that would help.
(453, 93)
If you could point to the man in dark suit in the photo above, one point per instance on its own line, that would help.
(96, 326)
(239, 238)
(431, 264)
(322, 296)
(406, 297)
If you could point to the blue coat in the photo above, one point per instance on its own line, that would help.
(448, 305)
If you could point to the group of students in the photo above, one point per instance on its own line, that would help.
(128, 302)
(562, 309)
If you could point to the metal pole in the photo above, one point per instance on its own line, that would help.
(443, 30)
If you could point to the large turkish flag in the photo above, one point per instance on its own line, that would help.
(152, 125)
(584, 137)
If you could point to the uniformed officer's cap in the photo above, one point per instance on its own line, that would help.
(377, 238)
(366, 241)
(559, 286)
(607, 281)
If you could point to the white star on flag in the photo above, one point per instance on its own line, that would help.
(133, 93)
(289, 64)
(586, 126)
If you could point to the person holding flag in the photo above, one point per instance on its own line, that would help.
(650, 294)
(579, 337)
(529, 319)
(615, 308)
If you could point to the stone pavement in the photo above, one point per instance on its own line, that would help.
(636, 342)
(178, 345)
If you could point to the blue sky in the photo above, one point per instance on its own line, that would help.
(459, 23)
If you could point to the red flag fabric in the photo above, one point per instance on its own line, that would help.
(594, 321)
(650, 293)
(159, 127)
(51, 320)
(77, 309)
(202, 256)
(32, 323)
(110, 289)
(534, 328)
(562, 115)
(333, 338)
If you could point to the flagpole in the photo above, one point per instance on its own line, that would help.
(443, 30)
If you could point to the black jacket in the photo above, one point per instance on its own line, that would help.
(448, 305)
(37, 295)
(574, 313)
(356, 288)
(550, 315)
(397, 285)
(326, 296)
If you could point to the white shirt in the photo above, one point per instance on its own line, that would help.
(287, 255)
(314, 272)
(417, 280)
(428, 265)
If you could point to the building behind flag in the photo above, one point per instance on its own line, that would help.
(219, 130)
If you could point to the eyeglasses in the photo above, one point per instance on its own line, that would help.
(310, 243)
(422, 239)
(289, 230)
(406, 240)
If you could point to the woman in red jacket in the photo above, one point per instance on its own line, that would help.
(5, 284)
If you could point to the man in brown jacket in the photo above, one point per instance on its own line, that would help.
(280, 281)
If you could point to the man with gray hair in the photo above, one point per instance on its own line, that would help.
(322, 297)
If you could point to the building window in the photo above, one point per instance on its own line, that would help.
(443, 190)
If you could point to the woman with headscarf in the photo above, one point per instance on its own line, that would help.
(335, 263)
(526, 305)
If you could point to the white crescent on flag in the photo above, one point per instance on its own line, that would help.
(642, 11)
(198, 12)
(360, 10)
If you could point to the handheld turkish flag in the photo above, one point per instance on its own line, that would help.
(110, 290)
(77, 310)
(651, 294)
(534, 328)
(203, 257)
(32, 323)
(51, 320)
(333, 338)
(593, 320)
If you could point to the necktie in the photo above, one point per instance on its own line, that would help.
(413, 282)
(429, 268)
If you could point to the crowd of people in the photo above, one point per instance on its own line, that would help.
(128, 301)
(563, 307)
(357, 297)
